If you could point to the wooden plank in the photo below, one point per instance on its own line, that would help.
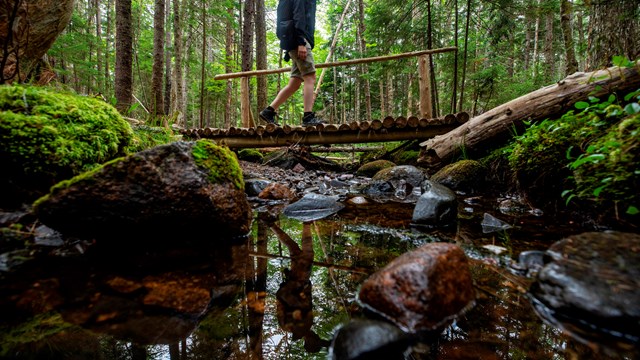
(313, 137)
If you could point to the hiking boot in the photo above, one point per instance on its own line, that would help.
(269, 116)
(311, 120)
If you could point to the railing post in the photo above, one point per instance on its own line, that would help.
(424, 73)
(245, 104)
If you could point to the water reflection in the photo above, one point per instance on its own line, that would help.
(281, 293)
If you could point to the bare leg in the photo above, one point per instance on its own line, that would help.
(308, 88)
(286, 92)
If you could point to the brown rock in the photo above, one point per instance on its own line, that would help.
(425, 289)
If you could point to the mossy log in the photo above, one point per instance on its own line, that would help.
(486, 131)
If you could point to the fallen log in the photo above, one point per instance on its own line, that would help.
(492, 129)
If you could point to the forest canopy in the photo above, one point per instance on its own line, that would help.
(156, 60)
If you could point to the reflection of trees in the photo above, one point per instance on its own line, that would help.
(295, 307)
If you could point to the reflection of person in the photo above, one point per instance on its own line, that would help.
(294, 306)
(295, 27)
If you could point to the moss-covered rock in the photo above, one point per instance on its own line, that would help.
(181, 190)
(251, 155)
(370, 169)
(49, 136)
(465, 175)
(220, 163)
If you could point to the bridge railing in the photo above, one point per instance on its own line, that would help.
(424, 67)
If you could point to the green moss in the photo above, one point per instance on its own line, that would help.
(220, 163)
(252, 155)
(55, 134)
(591, 155)
(39, 328)
(370, 169)
(146, 137)
(406, 157)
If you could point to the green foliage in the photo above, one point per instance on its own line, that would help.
(219, 162)
(58, 134)
(39, 328)
(145, 137)
(591, 155)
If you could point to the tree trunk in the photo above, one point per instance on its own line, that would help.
(167, 63)
(228, 68)
(365, 68)
(203, 58)
(99, 59)
(178, 98)
(613, 30)
(549, 55)
(571, 65)
(157, 106)
(261, 53)
(247, 56)
(124, 56)
(487, 131)
(27, 31)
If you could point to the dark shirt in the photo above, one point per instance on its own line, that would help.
(296, 19)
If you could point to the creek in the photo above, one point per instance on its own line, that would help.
(224, 302)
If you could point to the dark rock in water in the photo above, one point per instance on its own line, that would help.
(277, 191)
(363, 339)
(191, 189)
(411, 175)
(313, 207)
(422, 290)
(253, 187)
(590, 287)
(529, 262)
(437, 206)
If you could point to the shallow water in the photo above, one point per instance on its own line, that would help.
(281, 293)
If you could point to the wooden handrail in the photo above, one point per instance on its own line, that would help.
(337, 63)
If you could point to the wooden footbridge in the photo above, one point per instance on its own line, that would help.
(388, 129)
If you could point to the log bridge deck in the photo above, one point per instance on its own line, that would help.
(388, 129)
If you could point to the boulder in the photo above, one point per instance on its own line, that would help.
(412, 176)
(371, 168)
(48, 136)
(436, 207)
(589, 286)
(465, 175)
(422, 290)
(191, 189)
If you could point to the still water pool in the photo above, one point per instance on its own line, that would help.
(280, 293)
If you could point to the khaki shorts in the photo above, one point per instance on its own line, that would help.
(301, 68)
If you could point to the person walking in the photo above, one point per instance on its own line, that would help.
(295, 27)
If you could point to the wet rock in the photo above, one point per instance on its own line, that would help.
(313, 207)
(371, 168)
(276, 191)
(465, 175)
(368, 339)
(529, 262)
(422, 290)
(513, 206)
(492, 224)
(253, 187)
(437, 206)
(412, 176)
(183, 188)
(590, 287)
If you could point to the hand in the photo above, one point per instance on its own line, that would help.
(302, 52)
